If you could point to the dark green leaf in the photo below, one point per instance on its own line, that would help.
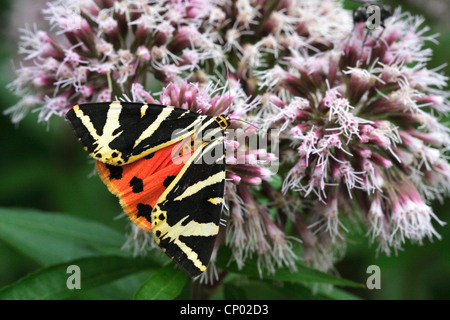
(52, 237)
(276, 290)
(338, 294)
(350, 4)
(165, 284)
(51, 282)
(121, 289)
(232, 291)
(304, 274)
(299, 291)
(254, 289)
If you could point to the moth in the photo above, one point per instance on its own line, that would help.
(167, 167)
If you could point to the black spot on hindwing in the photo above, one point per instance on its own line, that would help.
(137, 185)
(115, 172)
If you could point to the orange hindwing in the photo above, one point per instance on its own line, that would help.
(140, 184)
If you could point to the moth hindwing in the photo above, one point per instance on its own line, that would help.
(179, 201)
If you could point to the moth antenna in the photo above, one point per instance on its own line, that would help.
(249, 123)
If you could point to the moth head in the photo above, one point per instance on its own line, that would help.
(223, 121)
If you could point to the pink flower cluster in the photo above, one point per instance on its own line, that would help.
(356, 112)
(366, 142)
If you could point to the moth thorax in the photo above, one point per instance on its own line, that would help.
(222, 121)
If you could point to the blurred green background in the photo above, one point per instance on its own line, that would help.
(42, 167)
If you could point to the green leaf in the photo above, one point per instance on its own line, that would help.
(259, 290)
(233, 291)
(276, 182)
(50, 283)
(297, 291)
(304, 274)
(50, 238)
(121, 289)
(276, 290)
(350, 4)
(338, 294)
(165, 284)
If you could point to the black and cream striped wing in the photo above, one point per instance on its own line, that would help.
(122, 132)
(185, 221)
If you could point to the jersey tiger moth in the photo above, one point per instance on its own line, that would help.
(135, 145)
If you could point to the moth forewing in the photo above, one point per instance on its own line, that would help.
(188, 210)
(123, 132)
